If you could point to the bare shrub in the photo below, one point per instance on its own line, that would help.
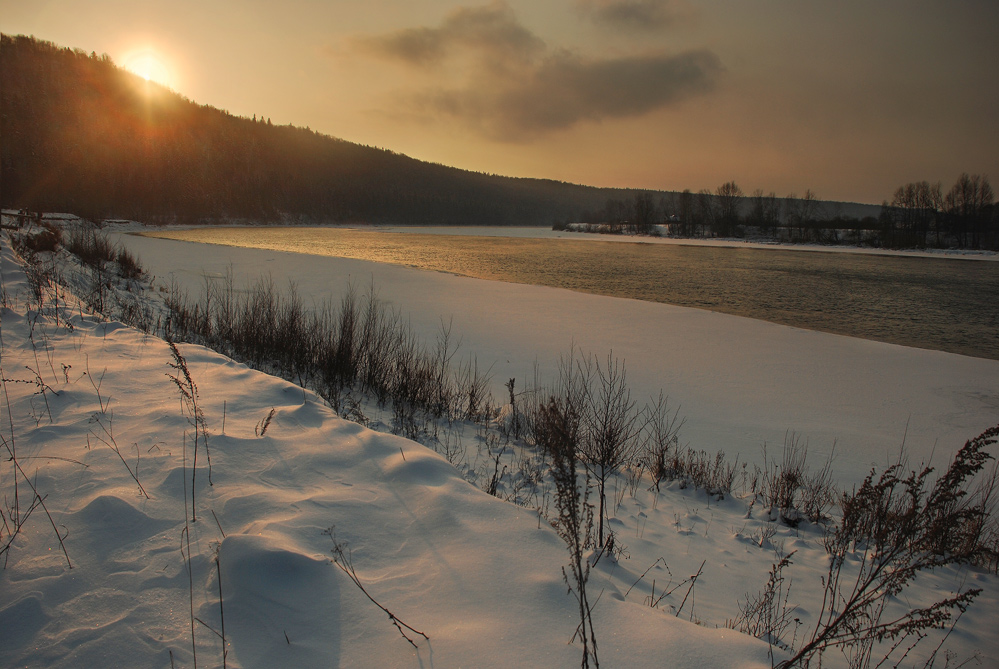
(791, 491)
(338, 350)
(661, 439)
(782, 481)
(985, 527)
(818, 493)
(30, 240)
(90, 245)
(472, 391)
(557, 426)
(894, 527)
(766, 615)
(129, 266)
(516, 422)
(711, 473)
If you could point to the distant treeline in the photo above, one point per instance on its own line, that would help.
(81, 135)
(919, 215)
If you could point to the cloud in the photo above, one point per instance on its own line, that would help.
(417, 46)
(565, 89)
(636, 14)
(492, 32)
(515, 87)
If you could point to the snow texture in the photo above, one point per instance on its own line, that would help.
(481, 577)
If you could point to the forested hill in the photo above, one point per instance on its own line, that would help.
(81, 135)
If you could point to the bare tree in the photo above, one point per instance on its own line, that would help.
(644, 212)
(800, 211)
(765, 211)
(611, 421)
(680, 213)
(916, 206)
(967, 203)
(756, 210)
(728, 197)
(791, 214)
(705, 213)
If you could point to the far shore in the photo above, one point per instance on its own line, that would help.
(536, 232)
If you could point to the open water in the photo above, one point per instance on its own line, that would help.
(946, 304)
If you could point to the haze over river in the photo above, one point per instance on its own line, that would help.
(947, 304)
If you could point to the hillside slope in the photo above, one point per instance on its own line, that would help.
(82, 135)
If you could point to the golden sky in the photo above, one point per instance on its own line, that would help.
(848, 98)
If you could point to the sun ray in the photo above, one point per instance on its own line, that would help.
(149, 65)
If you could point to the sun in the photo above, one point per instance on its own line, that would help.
(149, 65)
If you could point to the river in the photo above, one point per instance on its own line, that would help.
(946, 304)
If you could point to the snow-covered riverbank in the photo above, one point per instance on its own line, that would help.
(479, 576)
(741, 382)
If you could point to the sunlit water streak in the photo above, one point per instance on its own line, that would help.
(945, 304)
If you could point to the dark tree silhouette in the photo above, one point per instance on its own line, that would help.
(83, 136)
(969, 205)
(728, 198)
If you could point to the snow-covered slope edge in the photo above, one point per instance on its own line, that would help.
(480, 577)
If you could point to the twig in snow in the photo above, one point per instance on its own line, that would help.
(196, 417)
(261, 428)
(693, 582)
(342, 559)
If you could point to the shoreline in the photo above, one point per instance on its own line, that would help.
(742, 382)
(881, 298)
(539, 232)
(527, 232)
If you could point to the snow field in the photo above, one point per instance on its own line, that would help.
(481, 577)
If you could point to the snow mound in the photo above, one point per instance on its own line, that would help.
(274, 590)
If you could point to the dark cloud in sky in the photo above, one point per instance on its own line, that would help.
(636, 14)
(564, 89)
(491, 32)
(516, 87)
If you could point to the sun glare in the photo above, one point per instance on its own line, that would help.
(148, 65)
